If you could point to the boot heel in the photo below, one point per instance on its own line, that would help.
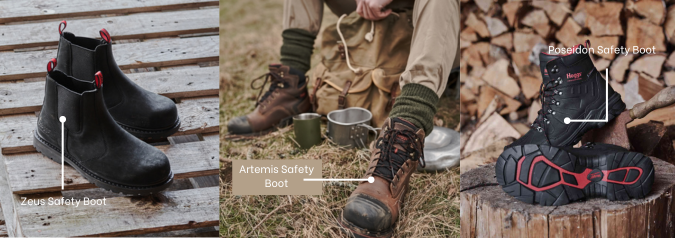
(46, 149)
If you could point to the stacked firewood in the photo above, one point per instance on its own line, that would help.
(500, 76)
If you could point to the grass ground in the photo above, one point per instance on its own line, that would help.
(250, 40)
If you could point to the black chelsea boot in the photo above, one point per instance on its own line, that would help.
(95, 145)
(142, 113)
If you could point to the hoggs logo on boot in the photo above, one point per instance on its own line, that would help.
(573, 77)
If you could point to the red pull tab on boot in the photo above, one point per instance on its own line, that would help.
(105, 35)
(98, 79)
(51, 65)
(62, 26)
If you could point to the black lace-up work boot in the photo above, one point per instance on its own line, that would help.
(142, 113)
(95, 145)
(571, 88)
(285, 98)
(373, 208)
(554, 176)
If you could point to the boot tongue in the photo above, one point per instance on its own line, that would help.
(394, 152)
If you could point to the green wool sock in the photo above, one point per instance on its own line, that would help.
(296, 51)
(416, 104)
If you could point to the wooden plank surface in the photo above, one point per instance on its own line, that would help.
(3, 227)
(34, 173)
(124, 216)
(197, 115)
(30, 10)
(152, 53)
(134, 26)
(20, 97)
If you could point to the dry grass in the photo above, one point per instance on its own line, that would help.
(250, 39)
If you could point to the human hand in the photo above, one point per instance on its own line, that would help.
(372, 9)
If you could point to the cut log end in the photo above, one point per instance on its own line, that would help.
(487, 211)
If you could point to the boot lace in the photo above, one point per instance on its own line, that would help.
(391, 157)
(276, 82)
(546, 93)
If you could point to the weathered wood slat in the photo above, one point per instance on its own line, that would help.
(23, 97)
(135, 26)
(124, 216)
(198, 115)
(34, 173)
(155, 53)
(13, 11)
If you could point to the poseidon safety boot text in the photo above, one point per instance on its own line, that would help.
(276, 108)
(95, 145)
(142, 113)
(373, 208)
(571, 88)
(555, 176)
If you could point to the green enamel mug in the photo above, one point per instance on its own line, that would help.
(307, 129)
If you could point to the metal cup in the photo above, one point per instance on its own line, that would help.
(307, 129)
(350, 127)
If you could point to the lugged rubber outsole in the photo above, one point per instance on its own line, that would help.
(54, 153)
(551, 176)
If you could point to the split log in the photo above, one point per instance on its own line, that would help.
(604, 41)
(486, 95)
(533, 113)
(648, 87)
(484, 5)
(669, 78)
(493, 129)
(603, 18)
(670, 25)
(651, 139)
(567, 34)
(649, 65)
(486, 155)
(495, 26)
(477, 54)
(556, 11)
(619, 67)
(524, 42)
(487, 211)
(468, 34)
(479, 26)
(530, 85)
(653, 10)
(497, 75)
(643, 34)
(503, 40)
(510, 9)
(538, 20)
(579, 14)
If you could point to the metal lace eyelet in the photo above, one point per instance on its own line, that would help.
(548, 122)
(539, 129)
(549, 110)
(557, 103)
(553, 100)
(553, 112)
(559, 92)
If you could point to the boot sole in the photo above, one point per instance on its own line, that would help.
(617, 106)
(282, 124)
(148, 134)
(357, 232)
(551, 177)
(52, 152)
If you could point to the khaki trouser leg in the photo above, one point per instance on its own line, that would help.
(435, 44)
(307, 14)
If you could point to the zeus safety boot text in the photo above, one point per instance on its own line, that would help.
(572, 88)
(94, 144)
(142, 113)
(276, 108)
(555, 176)
(373, 208)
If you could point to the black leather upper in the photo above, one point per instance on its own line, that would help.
(580, 95)
(130, 105)
(93, 139)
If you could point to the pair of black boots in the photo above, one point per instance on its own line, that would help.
(542, 166)
(102, 126)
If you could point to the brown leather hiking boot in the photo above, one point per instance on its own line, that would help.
(373, 208)
(284, 99)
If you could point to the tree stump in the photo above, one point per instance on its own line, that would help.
(487, 211)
